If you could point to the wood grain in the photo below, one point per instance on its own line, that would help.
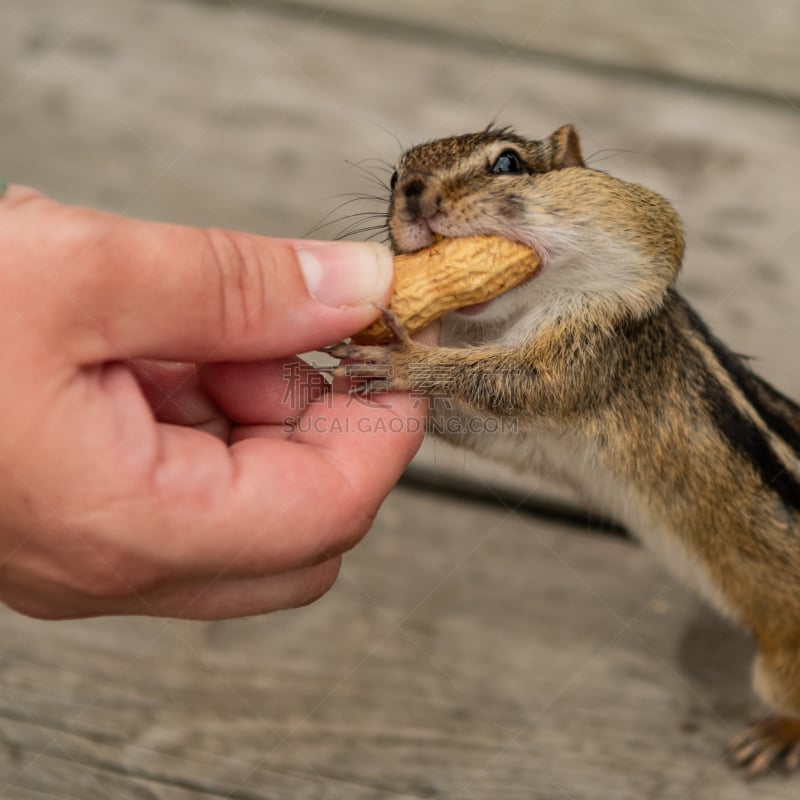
(467, 652)
(739, 47)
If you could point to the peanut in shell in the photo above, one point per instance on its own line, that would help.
(448, 275)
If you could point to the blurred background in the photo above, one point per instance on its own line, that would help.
(500, 649)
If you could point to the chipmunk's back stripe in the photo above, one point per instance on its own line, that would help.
(742, 432)
(766, 401)
(745, 437)
(775, 404)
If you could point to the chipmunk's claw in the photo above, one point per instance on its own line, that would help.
(769, 744)
(374, 367)
(368, 353)
(397, 328)
(369, 365)
(336, 350)
(373, 352)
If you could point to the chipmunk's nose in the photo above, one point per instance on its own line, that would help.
(421, 199)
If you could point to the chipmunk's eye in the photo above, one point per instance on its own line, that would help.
(507, 163)
(393, 180)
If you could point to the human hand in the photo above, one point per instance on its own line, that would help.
(131, 484)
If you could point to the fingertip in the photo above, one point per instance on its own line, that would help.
(342, 274)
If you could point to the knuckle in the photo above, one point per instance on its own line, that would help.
(239, 272)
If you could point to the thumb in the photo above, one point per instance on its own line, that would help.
(163, 291)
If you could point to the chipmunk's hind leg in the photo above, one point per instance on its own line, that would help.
(773, 742)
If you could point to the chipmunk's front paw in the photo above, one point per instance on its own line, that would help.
(380, 368)
(770, 743)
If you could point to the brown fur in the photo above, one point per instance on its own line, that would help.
(626, 372)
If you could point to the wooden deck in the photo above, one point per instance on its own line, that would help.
(470, 650)
(465, 653)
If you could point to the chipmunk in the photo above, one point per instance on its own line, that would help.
(615, 384)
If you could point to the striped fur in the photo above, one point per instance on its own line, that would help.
(615, 382)
(756, 420)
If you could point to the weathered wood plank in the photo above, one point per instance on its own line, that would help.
(740, 45)
(465, 653)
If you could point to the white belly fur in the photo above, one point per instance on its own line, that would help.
(569, 457)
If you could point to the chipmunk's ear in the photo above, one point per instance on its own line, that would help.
(566, 148)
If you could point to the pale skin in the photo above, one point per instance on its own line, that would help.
(145, 466)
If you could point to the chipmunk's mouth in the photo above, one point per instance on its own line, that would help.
(476, 309)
